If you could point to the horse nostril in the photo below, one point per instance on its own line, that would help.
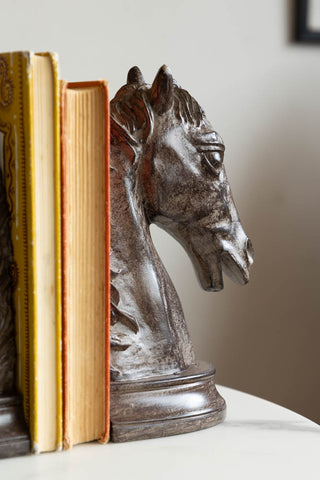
(250, 251)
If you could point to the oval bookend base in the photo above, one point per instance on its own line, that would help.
(166, 405)
(14, 436)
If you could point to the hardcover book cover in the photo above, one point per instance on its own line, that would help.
(38, 330)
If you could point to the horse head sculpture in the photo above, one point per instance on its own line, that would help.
(166, 168)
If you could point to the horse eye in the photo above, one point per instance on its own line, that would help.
(213, 160)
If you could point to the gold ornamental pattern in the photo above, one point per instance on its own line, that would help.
(6, 85)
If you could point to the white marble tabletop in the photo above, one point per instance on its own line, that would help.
(258, 440)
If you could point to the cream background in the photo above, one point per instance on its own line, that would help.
(261, 91)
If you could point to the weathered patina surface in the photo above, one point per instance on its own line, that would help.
(7, 339)
(166, 168)
(14, 438)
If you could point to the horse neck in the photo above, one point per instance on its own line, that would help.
(146, 291)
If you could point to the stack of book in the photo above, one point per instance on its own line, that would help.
(54, 141)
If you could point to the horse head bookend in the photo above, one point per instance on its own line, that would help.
(166, 168)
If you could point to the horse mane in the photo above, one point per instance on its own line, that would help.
(132, 113)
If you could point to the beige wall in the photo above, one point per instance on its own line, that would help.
(262, 93)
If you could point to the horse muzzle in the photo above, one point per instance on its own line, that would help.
(236, 262)
(233, 255)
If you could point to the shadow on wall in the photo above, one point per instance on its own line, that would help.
(263, 338)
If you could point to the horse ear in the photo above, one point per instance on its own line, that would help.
(135, 76)
(162, 90)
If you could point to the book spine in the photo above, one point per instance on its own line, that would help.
(37, 389)
(31, 254)
(105, 437)
(58, 261)
(66, 438)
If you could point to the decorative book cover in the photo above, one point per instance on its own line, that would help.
(85, 261)
(29, 122)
